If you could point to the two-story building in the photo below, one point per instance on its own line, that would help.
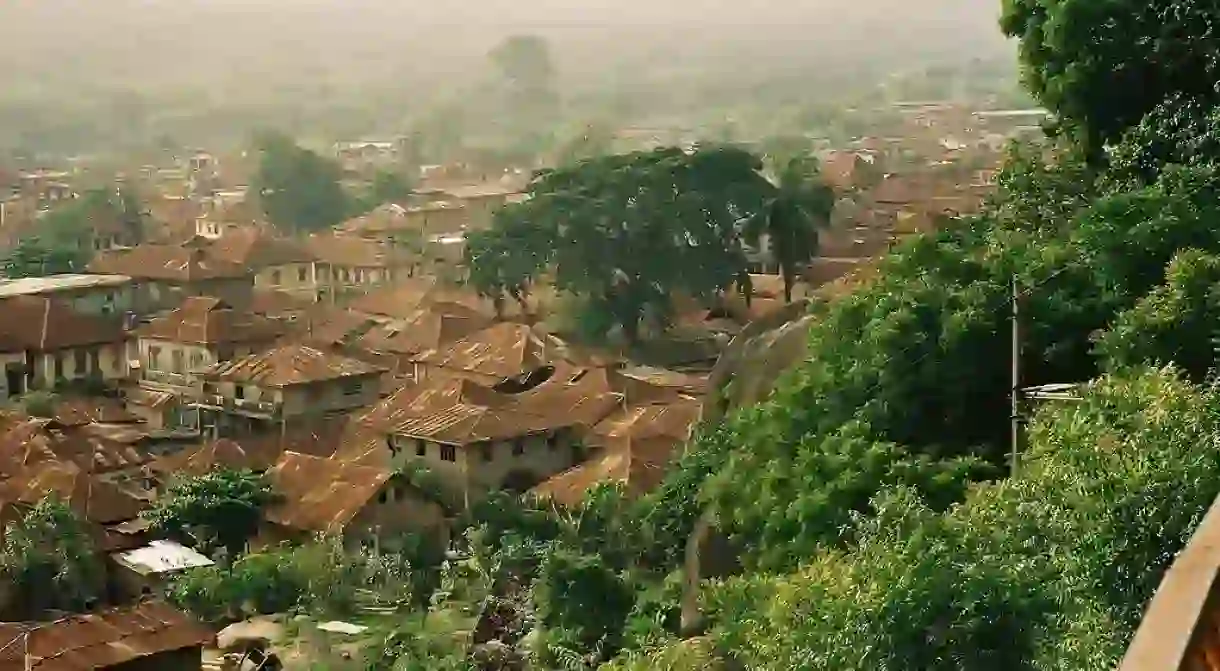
(86, 294)
(168, 274)
(201, 332)
(44, 343)
(479, 439)
(357, 265)
(278, 263)
(271, 389)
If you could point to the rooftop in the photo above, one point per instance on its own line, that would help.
(101, 640)
(41, 285)
(321, 495)
(503, 350)
(39, 323)
(290, 365)
(206, 320)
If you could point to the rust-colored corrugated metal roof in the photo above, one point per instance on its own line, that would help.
(42, 324)
(205, 320)
(321, 495)
(177, 263)
(503, 350)
(462, 412)
(424, 331)
(289, 365)
(92, 498)
(257, 248)
(101, 640)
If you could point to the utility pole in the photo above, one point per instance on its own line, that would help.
(1017, 420)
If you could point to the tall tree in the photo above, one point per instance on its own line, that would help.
(627, 232)
(788, 226)
(298, 189)
(225, 507)
(1102, 66)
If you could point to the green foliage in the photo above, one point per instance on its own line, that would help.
(583, 601)
(818, 485)
(40, 403)
(299, 190)
(48, 561)
(1176, 322)
(63, 241)
(1102, 82)
(34, 257)
(225, 507)
(321, 578)
(1050, 571)
(799, 207)
(589, 222)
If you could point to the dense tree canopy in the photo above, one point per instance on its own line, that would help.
(48, 560)
(223, 508)
(1102, 66)
(299, 190)
(592, 222)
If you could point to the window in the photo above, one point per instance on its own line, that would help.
(239, 391)
(448, 453)
(154, 358)
(275, 278)
(209, 387)
(196, 361)
(393, 447)
(178, 359)
(352, 387)
(421, 448)
(384, 496)
(552, 440)
(80, 361)
(518, 447)
(302, 274)
(59, 366)
(486, 451)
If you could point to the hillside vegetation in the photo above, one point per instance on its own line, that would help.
(875, 518)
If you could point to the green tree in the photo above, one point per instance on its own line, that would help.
(595, 217)
(505, 260)
(298, 189)
(48, 561)
(1048, 571)
(224, 506)
(799, 207)
(1177, 322)
(1100, 82)
(35, 257)
(583, 603)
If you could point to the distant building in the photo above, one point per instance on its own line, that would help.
(265, 391)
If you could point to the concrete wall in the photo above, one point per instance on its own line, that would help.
(395, 511)
(298, 279)
(301, 400)
(488, 467)
(107, 362)
(163, 295)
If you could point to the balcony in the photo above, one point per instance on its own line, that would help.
(241, 406)
(165, 378)
(1180, 631)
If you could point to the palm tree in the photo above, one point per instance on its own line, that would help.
(796, 211)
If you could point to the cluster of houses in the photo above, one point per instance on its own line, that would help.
(335, 362)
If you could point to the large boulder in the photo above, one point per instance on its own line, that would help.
(748, 368)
